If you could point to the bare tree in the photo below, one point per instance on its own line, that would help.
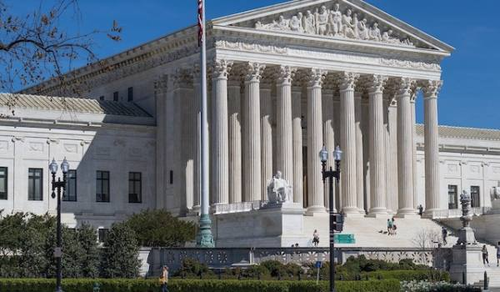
(426, 238)
(35, 47)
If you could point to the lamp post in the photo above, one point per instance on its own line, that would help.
(58, 185)
(331, 174)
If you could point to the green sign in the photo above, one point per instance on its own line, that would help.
(344, 238)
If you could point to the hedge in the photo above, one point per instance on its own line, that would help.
(119, 285)
(409, 275)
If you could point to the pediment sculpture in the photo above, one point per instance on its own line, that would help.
(336, 24)
(279, 190)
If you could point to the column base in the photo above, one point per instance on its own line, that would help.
(430, 214)
(407, 213)
(379, 212)
(352, 212)
(311, 210)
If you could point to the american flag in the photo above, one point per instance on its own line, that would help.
(200, 22)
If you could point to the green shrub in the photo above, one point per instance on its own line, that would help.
(120, 255)
(191, 268)
(140, 285)
(425, 286)
(417, 275)
(276, 268)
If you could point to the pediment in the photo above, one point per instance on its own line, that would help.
(353, 20)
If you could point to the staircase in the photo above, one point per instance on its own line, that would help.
(494, 275)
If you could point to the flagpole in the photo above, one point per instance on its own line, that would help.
(204, 238)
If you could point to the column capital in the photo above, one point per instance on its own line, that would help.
(431, 88)
(316, 77)
(348, 81)
(405, 86)
(180, 77)
(377, 83)
(161, 84)
(285, 75)
(254, 71)
(221, 69)
(195, 72)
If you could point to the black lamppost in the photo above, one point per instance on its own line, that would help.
(58, 185)
(331, 174)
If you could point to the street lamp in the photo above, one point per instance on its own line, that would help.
(331, 174)
(58, 185)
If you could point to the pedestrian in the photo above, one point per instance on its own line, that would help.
(315, 238)
(389, 227)
(498, 256)
(164, 279)
(485, 256)
(394, 229)
(420, 210)
(444, 233)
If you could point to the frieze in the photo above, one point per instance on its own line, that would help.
(334, 23)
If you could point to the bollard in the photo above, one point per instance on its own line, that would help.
(486, 281)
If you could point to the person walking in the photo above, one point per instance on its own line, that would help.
(315, 238)
(444, 233)
(164, 279)
(389, 227)
(498, 256)
(485, 256)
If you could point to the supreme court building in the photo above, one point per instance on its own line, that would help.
(284, 81)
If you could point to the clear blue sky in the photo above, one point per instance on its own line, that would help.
(471, 75)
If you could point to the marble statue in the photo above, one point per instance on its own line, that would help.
(279, 190)
(495, 194)
(334, 23)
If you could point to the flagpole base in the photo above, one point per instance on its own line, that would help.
(204, 238)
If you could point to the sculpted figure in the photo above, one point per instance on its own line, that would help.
(282, 23)
(495, 194)
(278, 190)
(387, 37)
(295, 24)
(322, 21)
(355, 24)
(309, 23)
(347, 24)
(335, 22)
(375, 33)
(363, 31)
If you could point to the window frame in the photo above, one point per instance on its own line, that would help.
(5, 195)
(455, 192)
(32, 182)
(134, 181)
(67, 197)
(116, 96)
(475, 196)
(101, 238)
(101, 180)
(130, 94)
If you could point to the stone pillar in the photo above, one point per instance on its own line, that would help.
(431, 90)
(298, 164)
(284, 123)
(220, 152)
(314, 142)
(197, 158)
(377, 147)
(328, 136)
(405, 149)
(266, 110)
(252, 155)
(338, 203)
(234, 94)
(161, 184)
(348, 143)
(365, 112)
(359, 152)
(392, 168)
(414, 146)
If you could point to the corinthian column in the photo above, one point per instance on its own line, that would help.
(234, 92)
(266, 110)
(328, 137)
(348, 143)
(220, 152)
(377, 149)
(405, 149)
(314, 142)
(359, 151)
(414, 145)
(431, 89)
(298, 170)
(252, 155)
(284, 123)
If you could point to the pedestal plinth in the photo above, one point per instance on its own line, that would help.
(274, 225)
(467, 259)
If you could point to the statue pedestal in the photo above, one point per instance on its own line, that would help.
(274, 225)
(467, 259)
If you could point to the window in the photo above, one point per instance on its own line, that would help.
(475, 196)
(171, 177)
(134, 187)
(102, 186)
(101, 97)
(115, 96)
(130, 96)
(3, 183)
(35, 184)
(102, 234)
(452, 197)
(70, 195)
